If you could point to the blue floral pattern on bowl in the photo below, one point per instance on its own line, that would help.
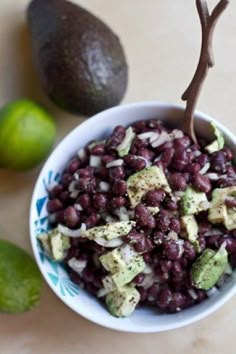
(56, 273)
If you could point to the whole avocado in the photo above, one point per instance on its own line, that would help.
(80, 61)
(20, 279)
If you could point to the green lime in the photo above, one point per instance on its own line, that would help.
(20, 279)
(27, 133)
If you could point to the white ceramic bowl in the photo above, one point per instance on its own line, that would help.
(98, 127)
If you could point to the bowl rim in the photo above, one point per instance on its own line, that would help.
(99, 320)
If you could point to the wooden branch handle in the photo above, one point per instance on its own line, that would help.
(206, 61)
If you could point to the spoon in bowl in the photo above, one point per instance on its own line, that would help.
(206, 61)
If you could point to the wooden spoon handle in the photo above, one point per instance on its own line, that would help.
(206, 61)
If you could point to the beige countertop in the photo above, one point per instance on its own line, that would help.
(162, 39)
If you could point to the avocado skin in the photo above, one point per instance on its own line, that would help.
(79, 60)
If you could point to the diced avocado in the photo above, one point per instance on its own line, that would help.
(147, 179)
(110, 231)
(112, 261)
(118, 259)
(124, 147)
(122, 302)
(44, 239)
(193, 202)
(209, 267)
(57, 247)
(55, 244)
(190, 225)
(218, 212)
(230, 220)
(153, 210)
(125, 275)
(108, 283)
(217, 144)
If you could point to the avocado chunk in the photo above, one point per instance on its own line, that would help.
(110, 231)
(123, 272)
(112, 261)
(190, 225)
(128, 273)
(192, 202)
(80, 62)
(55, 244)
(219, 212)
(147, 179)
(125, 145)
(122, 302)
(217, 144)
(209, 267)
(118, 259)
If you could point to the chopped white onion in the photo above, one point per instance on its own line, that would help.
(163, 138)
(148, 163)
(74, 194)
(51, 186)
(115, 163)
(222, 247)
(122, 213)
(147, 270)
(148, 281)
(148, 135)
(95, 161)
(212, 291)
(178, 195)
(192, 293)
(172, 235)
(104, 186)
(196, 153)
(181, 249)
(176, 134)
(205, 168)
(72, 233)
(213, 176)
(78, 207)
(108, 218)
(154, 137)
(52, 218)
(158, 158)
(224, 176)
(102, 292)
(127, 141)
(127, 253)
(213, 232)
(82, 154)
(72, 186)
(76, 176)
(77, 266)
(116, 242)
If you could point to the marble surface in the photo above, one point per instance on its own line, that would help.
(162, 39)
